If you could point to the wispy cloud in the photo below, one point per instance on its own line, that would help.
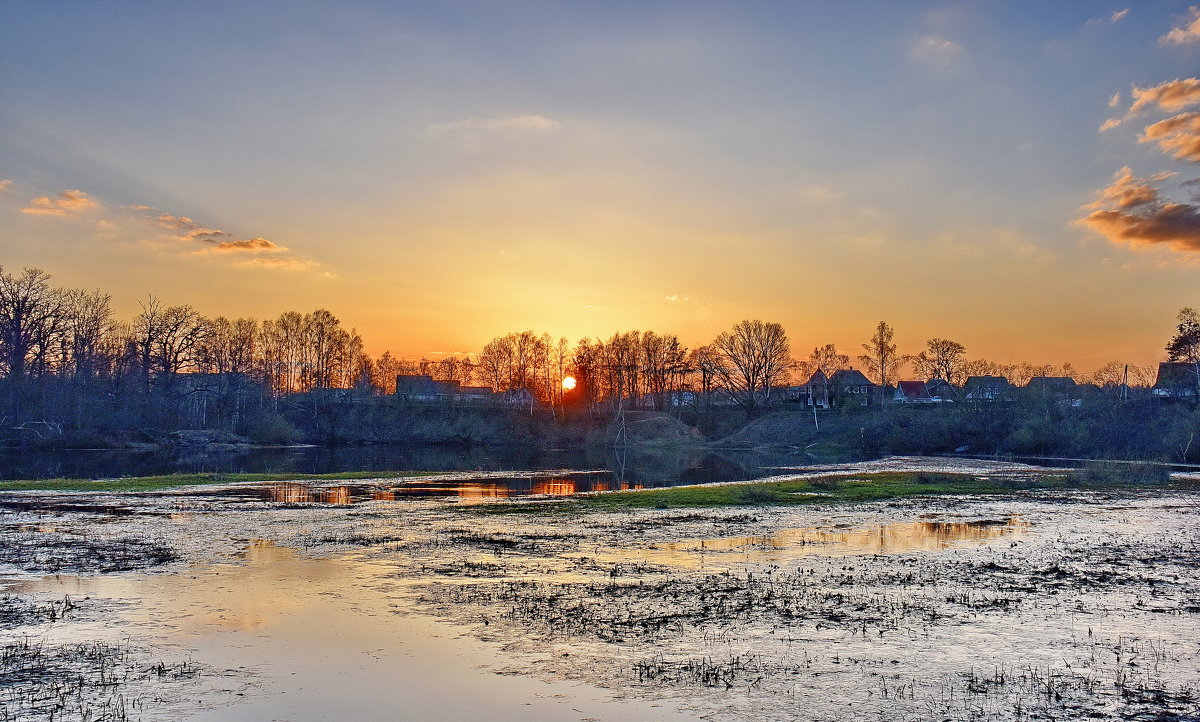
(1188, 31)
(501, 124)
(1177, 136)
(66, 203)
(5, 185)
(1111, 19)
(938, 54)
(1132, 211)
(198, 239)
(676, 298)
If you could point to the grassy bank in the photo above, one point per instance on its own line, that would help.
(167, 481)
(845, 488)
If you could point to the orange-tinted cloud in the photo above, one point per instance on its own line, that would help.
(1186, 32)
(283, 263)
(1178, 136)
(1169, 96)
(206, 241)
(1141, 218)
(5, 185)
(66, 203)
(252, 245)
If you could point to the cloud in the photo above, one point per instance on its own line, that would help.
(1141, 217)
(252, 245)
(676, 298)
(1116, 17)
(1169, 96)
(5, 185)
(1187, 32)
(1127, 191)
(502, 124)
(202, 240)
(66, 203)
(282, 263)
(937, 53)
(1177, 136)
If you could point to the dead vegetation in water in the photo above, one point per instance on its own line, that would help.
(55, 550)
(18, 612)
(861, 628)
(89, 682)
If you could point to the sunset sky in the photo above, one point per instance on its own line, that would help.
(437, 174)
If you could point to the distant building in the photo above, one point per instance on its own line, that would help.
(1177, 380)
(941, 391)
(419, 387)
(818, 390)
(986, 388)
(849, 387)
(912, 392)
(1059, 388)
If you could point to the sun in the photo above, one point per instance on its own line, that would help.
(569, 383)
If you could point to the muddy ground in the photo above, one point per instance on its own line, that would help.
(1081, 605)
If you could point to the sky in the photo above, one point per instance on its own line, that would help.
(1009, 175)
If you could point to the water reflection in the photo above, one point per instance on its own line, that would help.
(466, 490)
(884, 539)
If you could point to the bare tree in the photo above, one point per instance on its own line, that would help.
(30, 316)
(754, 355)
(827, 360)
(881, 358)
(942, 359)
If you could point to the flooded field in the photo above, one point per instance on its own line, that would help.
(299, 601)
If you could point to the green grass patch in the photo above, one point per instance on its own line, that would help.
(167, 481)
(847, 488)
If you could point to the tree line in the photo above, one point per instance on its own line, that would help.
(63, 352)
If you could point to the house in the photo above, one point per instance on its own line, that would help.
(476, 395)
(912, 392)
(520, 398)
(941, 391)
(815, 391)
(986, 388)
(849, 387)
(418, 387)
(1177, 380)
(1059, 388)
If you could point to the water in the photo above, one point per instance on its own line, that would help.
(625, 468)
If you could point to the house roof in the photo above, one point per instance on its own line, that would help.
(986, 382)
(818, 377)
(1176, 374)
(1051, 383)
(849, 377)
(913, 390)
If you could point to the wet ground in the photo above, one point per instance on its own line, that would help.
(292, 601)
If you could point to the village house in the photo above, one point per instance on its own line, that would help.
(941, 391)
(1062, 389)
(912, 392)
(849, 387)
(986, 388)
(1177, 380)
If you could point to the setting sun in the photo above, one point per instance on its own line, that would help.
(569, 383)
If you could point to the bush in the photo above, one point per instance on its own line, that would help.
(271, 429)
(1111, 472)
